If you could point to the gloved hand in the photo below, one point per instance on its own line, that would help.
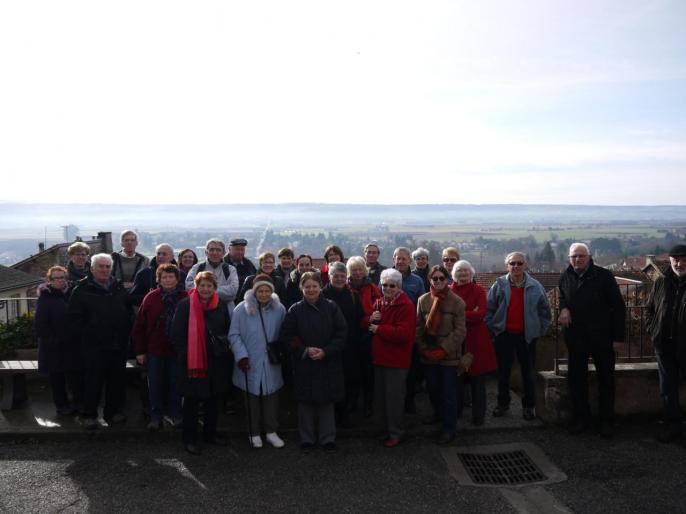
(434, 355)
(244, 364)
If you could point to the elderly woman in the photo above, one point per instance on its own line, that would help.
(78, 266)
(266, 265)
(393, 325)
(59, 354)
(187, 259)
(368, 294)
(198, 333)
(255, 325)
(449, 256)
(348, 301)
(315, 331)
(421, 265)
(440, 333)
(151, 337)
(518, 313)
(332, 253)
(303, 264)
(477, 342)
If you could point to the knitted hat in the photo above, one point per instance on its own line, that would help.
(263, 279)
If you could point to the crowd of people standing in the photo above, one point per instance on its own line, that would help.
(351, 337)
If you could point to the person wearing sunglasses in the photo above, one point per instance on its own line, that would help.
(440, 333)
(518, 313)
(449, 256)
(393, 325)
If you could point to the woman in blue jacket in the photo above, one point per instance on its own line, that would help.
(256, 323)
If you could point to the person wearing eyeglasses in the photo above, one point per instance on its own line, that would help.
(449, 256)
(78, 266)
(59, 354)
(440, 333)
(393, 324)
(518, 313)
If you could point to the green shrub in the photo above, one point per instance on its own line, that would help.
(18, 333)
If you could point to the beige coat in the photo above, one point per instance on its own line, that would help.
(451, 332)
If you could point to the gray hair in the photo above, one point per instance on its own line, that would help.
(402, 249)
(420, 252)
(127, 232)
(216, 241)
(463, 265)
(579, 245)
(391, 275)
(337, 266)
(512, 254)
(357, 262)
(101, 257)
(164, 245)
(374, 244)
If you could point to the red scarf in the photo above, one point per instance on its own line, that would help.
(433, 320)
(197, 345)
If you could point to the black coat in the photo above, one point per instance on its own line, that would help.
(320, 325)
(666, 315)
(146, 280)
(101, 319)
(218, 368)
(596, 305)
(58, 351)
(243, 269)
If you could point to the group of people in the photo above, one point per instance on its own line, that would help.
(351, 336)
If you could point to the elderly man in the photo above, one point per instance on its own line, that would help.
(127, 262)
(371, 257)
(517, 314)
(666, 324)
(100, 316)
(226, 274)
(236, 258)
(592, 316)
(146, 279)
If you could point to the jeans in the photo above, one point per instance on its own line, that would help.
(506, 347)
(443, 384)
(162, 387)
(668, 370)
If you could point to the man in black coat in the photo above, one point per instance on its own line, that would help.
(100, 314)
(592, 315)
(666, 324)
(236, 257)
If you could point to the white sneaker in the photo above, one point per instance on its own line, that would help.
(274, 440)
(255, 441)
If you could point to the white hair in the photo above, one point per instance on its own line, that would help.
(391, 275)
(463, 265)
(357, 262)
(101, 257)
(512, 254)
(579, 245)
(420, 252)
(337, 266)
(164, 245)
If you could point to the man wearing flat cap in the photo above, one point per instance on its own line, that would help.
(666, 324)
(236, 257)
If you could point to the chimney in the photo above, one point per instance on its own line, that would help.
(106, 238)
(41, 247)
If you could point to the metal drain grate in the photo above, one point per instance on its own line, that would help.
(507, 468)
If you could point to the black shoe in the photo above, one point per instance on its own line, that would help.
(431, 420)
(192, 448)
(330, 447)
(577, 426)
(306, 448)
(605, 429)
(529, 414)
(445, 438)
(216, 440)
(500, 411)
(669, 434)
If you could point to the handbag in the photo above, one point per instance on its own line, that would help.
(219, 345)
(273, 351)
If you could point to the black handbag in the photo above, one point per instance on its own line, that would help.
(273, 349)
(219, 345)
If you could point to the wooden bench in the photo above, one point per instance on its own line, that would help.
(14, 373)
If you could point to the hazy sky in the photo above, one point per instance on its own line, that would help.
(547, 101)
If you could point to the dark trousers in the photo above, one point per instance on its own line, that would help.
(577, 379)
(670, 377)
(366, 374)
(191, 407)
(162, 387)
(106, 368)
(506, 347)
(442, 383)
(477, 386)
(64, 383)
(414, 377)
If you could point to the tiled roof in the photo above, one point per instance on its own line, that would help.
(14, 279)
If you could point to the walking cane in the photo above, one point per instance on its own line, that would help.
(247, 405)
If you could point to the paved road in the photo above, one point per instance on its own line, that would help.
(630, 473)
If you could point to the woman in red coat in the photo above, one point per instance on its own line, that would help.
(393, 324)
(478, 339)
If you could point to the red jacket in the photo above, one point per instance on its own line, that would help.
(368, 295)
(392, 344)
(148, 334)
(478, 339)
